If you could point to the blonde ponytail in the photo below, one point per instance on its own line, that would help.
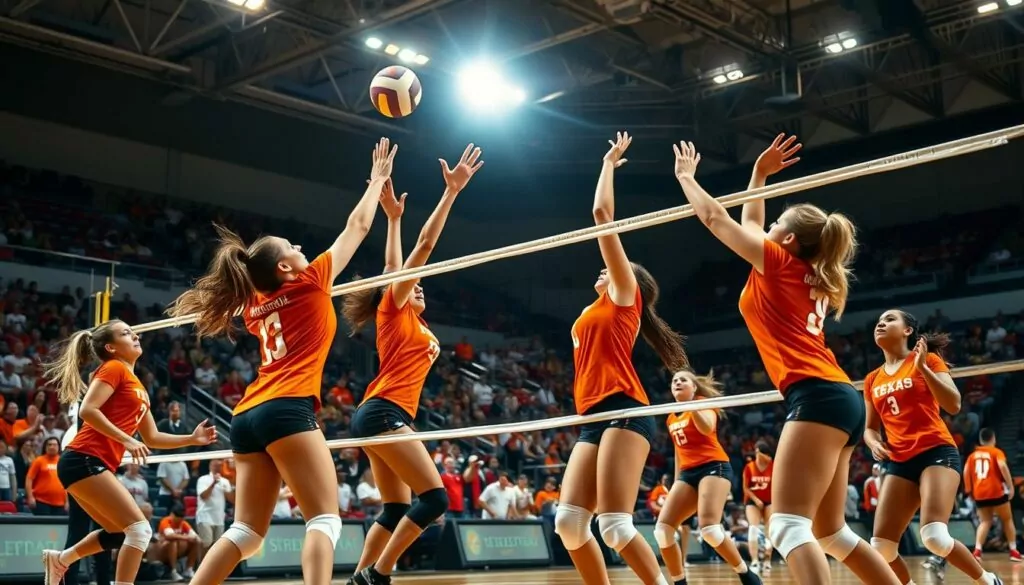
(64, 371)
(836, 252)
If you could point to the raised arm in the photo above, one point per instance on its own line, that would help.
(204, 434)
(747, 243)
(361, 218)
(775, 158)
(393, 207)
(940, 384)
(622, 289)
(455, 180)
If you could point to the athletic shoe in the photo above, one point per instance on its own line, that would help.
(996, 580)
(370, 576)
(755, 567)
(750, 578)
(175, 576)
(1015, 556)
(189, 573)
(52, 568)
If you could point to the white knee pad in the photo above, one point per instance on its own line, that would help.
(616, 529)
(572, 525)
(936, 539)
(329, 524)
(713, 534)
(840, 544)
(887, 548)
(664, 535)
(753, 534)
(246, 540)
(138, 535)
(789, 531)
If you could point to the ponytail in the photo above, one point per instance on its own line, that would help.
(225, 289)
(360, 307)
(705, 386)
(935, 342)
(64, 370)
(836, 252)
(664, 340)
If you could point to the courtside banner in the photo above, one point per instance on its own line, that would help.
(492, 543)
(281, 553)
(22, 541)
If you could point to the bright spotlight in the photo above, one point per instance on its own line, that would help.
(254, 4)
(849, 43)
(484, 87)
(407, 55)
(374, 43)
(988, 7)
(834, 48)
(720, 79)
(422, 59)
(1013, 2)
(734, 75)
(392, 50)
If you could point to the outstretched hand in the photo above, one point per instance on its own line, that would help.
(618, 148)
(204, 434)
(383, 160)
(393, 206)
(456, 179)
(778, 156)
(687, 159)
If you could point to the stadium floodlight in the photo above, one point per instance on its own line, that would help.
(834, 48)
(1013, 2)
(720, 79)
(734, 75)
(422, 59)
(988, 7)
(407, 55)
(849, 43)
(392, 49)
(484, 87)
(374, 43)
(254, 4)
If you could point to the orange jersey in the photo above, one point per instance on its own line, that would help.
(982, 475)
(759, 481)
(165, 527)
(295, 325)
(786, 316)
(602, 339)
(407, 350)
(694, 448)
(45, 486)
(125, 409)
(909, 411)
(657, 497)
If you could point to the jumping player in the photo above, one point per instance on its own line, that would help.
(407, 350)
(604, 469)
(757, 494)
(703, 483)
(800, 270)
(904, 396)
(988, 481)
(115, 406)
(285, 301)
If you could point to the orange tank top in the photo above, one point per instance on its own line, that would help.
(407, 350)
(786, 317)
(986, 479)
(694, 448)
(759, 481)
(909, 412)
(295, 325)
(602, 339)
(125, 409)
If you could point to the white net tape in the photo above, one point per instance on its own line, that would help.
(881, 165)
(577, 419)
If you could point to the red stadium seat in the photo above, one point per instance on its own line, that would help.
(8, 508)
(190, 506)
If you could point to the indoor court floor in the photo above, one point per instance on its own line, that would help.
(1011, 574)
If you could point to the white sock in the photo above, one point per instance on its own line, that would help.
(911, 582)
(1013, 545)
(661, 580)
(69, 556)
(986, 579)
(740, 568)
(678, 577)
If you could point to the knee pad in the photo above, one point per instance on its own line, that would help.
(616, 529)
(391, 515)
(432, 505)
(245, 539)
(664, 535)
(841, 544)
(887, 548)
(572, 525)
(329, 524)
(789, 531)
(111, 540)
(138, 535)
(936, 539)
(714, 535)
(753, 534)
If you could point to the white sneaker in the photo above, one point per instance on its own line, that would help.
(755, 567)
(767, 567)
(52, 567)
(176, 576)
(189, 573)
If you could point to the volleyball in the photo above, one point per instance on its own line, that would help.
(395, 91)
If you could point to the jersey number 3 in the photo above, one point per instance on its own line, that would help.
(816, 320)
(272, 339)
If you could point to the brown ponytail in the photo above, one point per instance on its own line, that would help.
(665, 341)
(64, 368)
(235, 274)
(936, 342)
(829, 243)
(705, 386)
(360, 307)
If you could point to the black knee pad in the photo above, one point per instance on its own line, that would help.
(431, 505)
(111, 540)
(391, 515)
